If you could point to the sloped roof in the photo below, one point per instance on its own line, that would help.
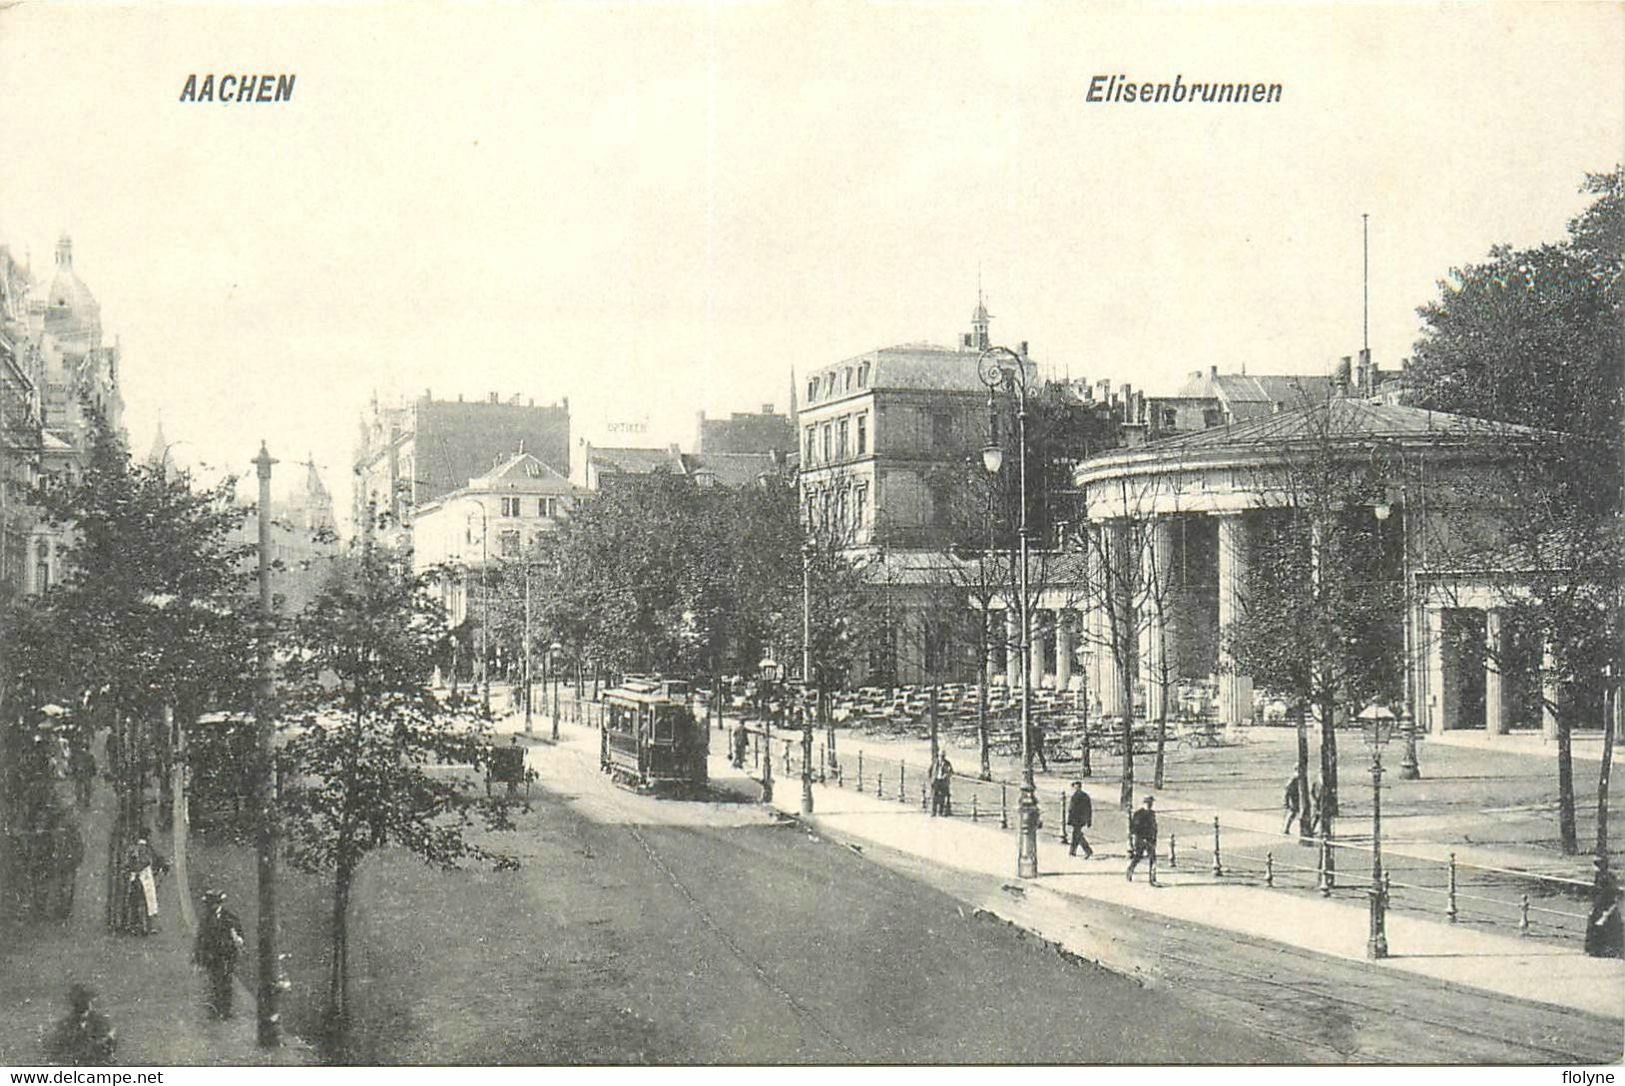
(1249, 396)
(732, 469)
(1342, 419)
(921, 366)
(521, 467)
(633, 461)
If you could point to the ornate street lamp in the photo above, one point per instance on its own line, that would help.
(1003, 370)
(768, 671)
(1377, 721)
(1409, 769)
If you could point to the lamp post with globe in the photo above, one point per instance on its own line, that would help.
(1409, 769)
(1377, 722)
(1003, 370)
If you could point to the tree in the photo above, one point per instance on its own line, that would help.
(362, 732)
(1534, 337)
(1317, 620)
(152, 611)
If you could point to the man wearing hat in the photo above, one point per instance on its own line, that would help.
(219, 938)
(1079, 814)
(1142, 830)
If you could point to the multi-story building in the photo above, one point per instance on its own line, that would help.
(498, 516)
(743, 432)
(602, 466)
(411, 453)
(54, 371)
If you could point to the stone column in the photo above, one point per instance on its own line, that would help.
(1235, 690)
(1158, 578)
(1039, 635)
(1495, 722)
(1118, 698)
(1063, 649)
(1012, 649)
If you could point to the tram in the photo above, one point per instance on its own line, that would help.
(650, 739)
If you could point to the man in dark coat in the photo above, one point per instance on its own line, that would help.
(82, 765)
(1292, 803)
(219, 938)
(1142, 830)
(1605, 929)
(741, 746)
(83, 1036)
(1079, 814)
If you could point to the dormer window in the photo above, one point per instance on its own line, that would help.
(812, 390)
(863, 375)
(849, 378)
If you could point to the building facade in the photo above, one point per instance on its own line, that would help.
(55, 369)
(499, 516)
(408, 454)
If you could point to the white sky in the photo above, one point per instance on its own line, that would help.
(660, 208)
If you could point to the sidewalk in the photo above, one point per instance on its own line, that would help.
(1504, 965)
(145, 985)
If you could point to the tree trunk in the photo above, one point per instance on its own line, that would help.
(338, 988)
(1570, 838)
(986, 769)
(166, 765)
(1162, 742)
(1610, 705)
(1328, 757)
(1306, 829)
(1125, 798)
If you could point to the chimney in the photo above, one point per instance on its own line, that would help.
(459, 397)
(1021, 348)
(427, 395)
(1340, 377)
(1212, 373)
(531, 402)
(493, 397)
(767, 409)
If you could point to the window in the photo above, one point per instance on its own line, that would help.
(812, 517)
(510, 507)
(547, 507)
(849, 378)
(812, 390)
(942, 430)
(863, 434)
(829, 383)
(860, 504)
(841, 444)
(508, 544)
(840, 510)
(863, 375)
(808, 455)
(829, 440)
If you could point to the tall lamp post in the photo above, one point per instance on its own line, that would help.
(814, 700)
(527, 646)
(768, 671)
(1001, 369)
(269, 1019)
(1377, 721)
(553, 652)
(485, 607)
(1409, 769)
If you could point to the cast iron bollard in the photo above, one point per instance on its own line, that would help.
(1523, 915)
(787, 757)
(860, 770)
(821, 777)
(1218, 868)
(1322, 876)
(1269, 869)
(975, 812)
(902, 791)
(1004, 809)
(1173, 856)
(924, 801)
(1450, 901)
(756, 750)
(880, 785)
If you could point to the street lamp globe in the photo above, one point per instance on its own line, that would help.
(1383, 510)
(992, 459)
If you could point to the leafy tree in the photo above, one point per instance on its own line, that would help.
(363, 733)
(152, 610)
(1534, 337)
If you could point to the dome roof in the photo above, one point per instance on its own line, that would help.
(66, 290)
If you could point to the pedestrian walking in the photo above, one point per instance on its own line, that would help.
(741, 746)
(1080, 814)
(1292, 802)
(82, 1037)
(1038, 746)
(1605, 928)
(219, 939)
(67, 853)
(142, 866)
(942, 783)
(1142, 828)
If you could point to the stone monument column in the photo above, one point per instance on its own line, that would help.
(1235, 690)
